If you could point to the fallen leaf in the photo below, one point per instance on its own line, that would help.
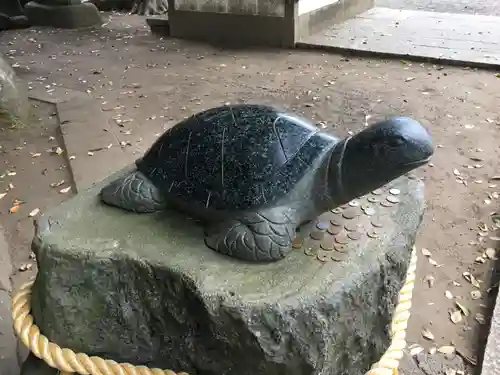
(426, 252)
(456, 316)
(471, 279)
(35, 154)
(416, 350)
(495, 238)
(475, 294)
(447, 349)
(57, 184)
(462, 308)
(429, 279)
(456, 172)
(35, 212)
(480, 318)
(25, 267)
(427, 334)
(450, 371)
(409, 79)
(65, 190)
(434, 263)
(2, 195)
(14, 209)
(432, 350)
(490, 253)
(448, 294)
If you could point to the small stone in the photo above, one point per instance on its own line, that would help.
(351, 213)
(297, 243)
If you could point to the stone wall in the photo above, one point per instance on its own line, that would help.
(257, 7)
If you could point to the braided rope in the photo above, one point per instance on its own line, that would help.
(68, 362)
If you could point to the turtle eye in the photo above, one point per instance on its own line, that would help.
(395, 141)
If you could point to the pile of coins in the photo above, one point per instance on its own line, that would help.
(330, 234)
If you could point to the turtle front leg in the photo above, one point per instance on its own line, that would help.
(259, 236)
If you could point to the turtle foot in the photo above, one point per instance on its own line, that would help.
(256, 236)
(135, 193)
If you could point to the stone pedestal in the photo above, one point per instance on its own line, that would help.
(259, 22)
(13, 97)
(65, 14)
(145, 289)
(12, 15)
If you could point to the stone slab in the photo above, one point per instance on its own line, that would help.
(459, 39)
(61, 16)
(491, 358)
(145, 289)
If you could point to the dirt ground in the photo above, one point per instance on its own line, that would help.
(459, 106)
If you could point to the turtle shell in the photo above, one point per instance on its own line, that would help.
(233, 157)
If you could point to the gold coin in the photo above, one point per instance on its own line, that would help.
(335, 229)
(342, 238)
(369, 211)
(354, 203)
(354, 235)
(351, 226)
(395, 191)
(373, 234)
(311, 251)
(322, 257)
(297, 243)
(351, 213)
(337, 210)
(338, 257)
(317, 235)
(377, 222)
(327, 244)
(341, 248)
(386, 204)
(373, 199)
(337, 221)
(392, 199)
(377, 191)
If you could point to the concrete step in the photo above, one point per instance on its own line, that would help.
(461, 39)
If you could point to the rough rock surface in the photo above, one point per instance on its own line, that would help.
(145, 289)
(491, 359)
(13, 97)
(73, 15)
(8, 342)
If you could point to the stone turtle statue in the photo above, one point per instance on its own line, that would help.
(253, 174)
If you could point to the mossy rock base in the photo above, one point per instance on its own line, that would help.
(63, 16)
(145, 289)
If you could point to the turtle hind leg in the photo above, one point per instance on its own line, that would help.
(261, 236)
(133, 192)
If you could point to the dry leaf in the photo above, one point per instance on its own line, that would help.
(456, 316)
(490, 253)
(57, 184)
(495, 238)
(14, 209)
(450, 371)
(409, 79)
(35, 154)
(2, 195)
(480, 318)
(448, 349)
(434, 263)
(35, 212)
(462, 308)
(456, 172)
(426, 252)
(416, 349)
(471, 279)
(432, 350)
(448, 294)
(427, 334)
(65, 190)
(429, 279)
(475, 294)
(25, 267)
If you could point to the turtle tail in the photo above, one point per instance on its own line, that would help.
(134, 192)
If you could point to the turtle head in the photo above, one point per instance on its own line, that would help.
(378, 154)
